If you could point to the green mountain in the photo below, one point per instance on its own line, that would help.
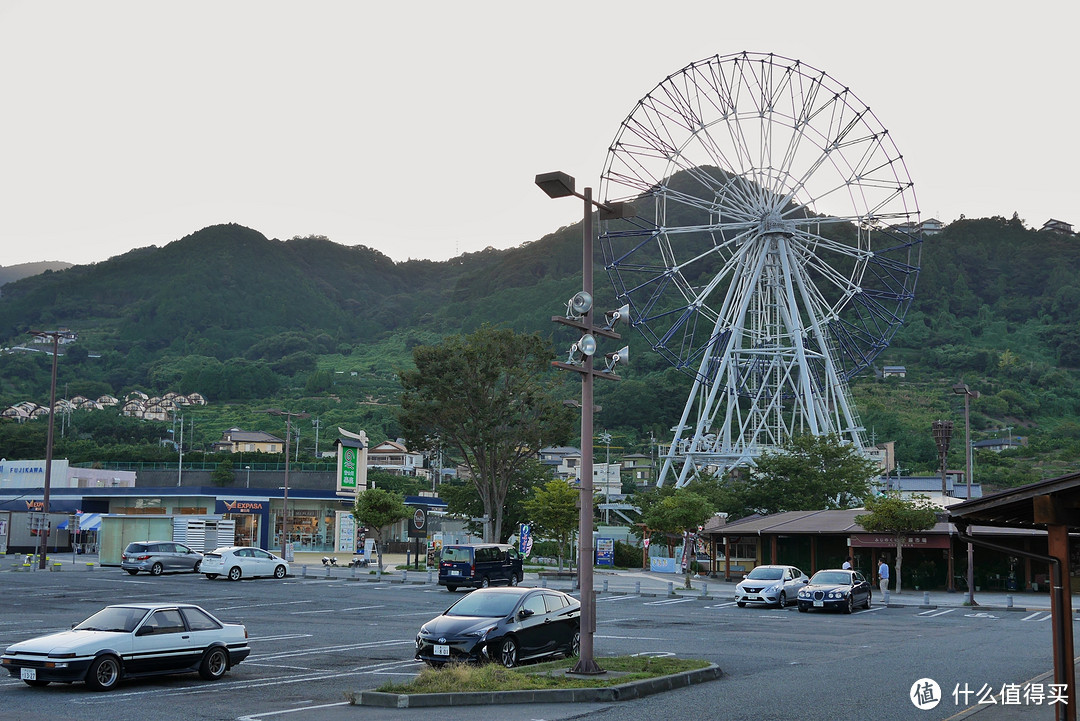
(23, 270)
(252, 322)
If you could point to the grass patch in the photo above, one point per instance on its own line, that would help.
(459, 677)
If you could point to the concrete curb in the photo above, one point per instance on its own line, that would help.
(619, 692)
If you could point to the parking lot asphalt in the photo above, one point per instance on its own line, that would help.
(605, 581)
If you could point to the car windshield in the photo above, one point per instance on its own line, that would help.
(490, 605)
(765, 574)
(113, 618)
(826, 577)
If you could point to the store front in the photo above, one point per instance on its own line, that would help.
(250, 517)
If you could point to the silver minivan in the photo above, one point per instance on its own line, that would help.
(156, 557)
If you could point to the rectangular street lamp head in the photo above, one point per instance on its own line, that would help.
(556, 184)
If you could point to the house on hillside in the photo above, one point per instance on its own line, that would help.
(1057, 226)
(997, 445)
(235, 440)
(638, 468)
(393, 457)
(894, 372)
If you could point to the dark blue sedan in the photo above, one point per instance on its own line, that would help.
(836, 589)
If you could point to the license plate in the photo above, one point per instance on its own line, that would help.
(28, 674)
(455, 573)
(440, 650)
(818, 604)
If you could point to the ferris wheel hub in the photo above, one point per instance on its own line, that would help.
(773, 222)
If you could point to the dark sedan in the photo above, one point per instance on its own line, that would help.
(506, 625)
(836, 589)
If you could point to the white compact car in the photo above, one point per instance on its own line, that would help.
(236, 562)
(128, 641)
(770, 585)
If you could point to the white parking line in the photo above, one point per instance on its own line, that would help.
(265, 714)
(668, 601)
(335, 610)
(615, 598)
(1036, 616)
(262, 605)
(932, 613)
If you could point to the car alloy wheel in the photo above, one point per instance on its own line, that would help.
(198, 565)
(508, 654)
(214, 664)
(513, 579)
(484, 582)
(782, 601)
(104, 673)
(575, 644)
(279, 572)
(850, 605)
(234, 573)
(156, 569)
(867, 604)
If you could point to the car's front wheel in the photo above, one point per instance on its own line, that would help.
(575, 644)
(104, 673)
(279, 572)
(214, 664)
(198, 565)
(156, 569)
(850, 605)
(235, 573)
(484, 582)
(508, 654)
(782, 601)
(514, 579)
(803, 609)
(868, 596)
(451, 589)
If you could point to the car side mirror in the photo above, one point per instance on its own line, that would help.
(525, 613)
(145, 631)
(806, 580)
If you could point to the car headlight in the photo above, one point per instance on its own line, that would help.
(423, 630)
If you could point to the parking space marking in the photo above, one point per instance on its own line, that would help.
(668, 601)
(615, 620)
(336, 610)
(932, 613)
(615, 598)
(282, 637)
(266, 714)
(263, 605)
(1037, 617)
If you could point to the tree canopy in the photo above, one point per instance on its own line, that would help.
(377, 509)
(898, 517)
(807, 474)
(553, 512)
(491, 396)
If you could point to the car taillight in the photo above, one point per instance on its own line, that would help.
(142, 558)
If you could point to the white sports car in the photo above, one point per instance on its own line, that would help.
(130, 640)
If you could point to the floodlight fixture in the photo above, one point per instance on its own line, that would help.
(556, 184)
(579, 305)
(585, 346)
(620, 356)
(614, 316)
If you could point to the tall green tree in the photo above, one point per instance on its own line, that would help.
(809, 473)
(554, 514)
(674, 514)
(491, 396)
(378, 509)
(897, 516)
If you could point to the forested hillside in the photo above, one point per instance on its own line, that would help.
(306, 323)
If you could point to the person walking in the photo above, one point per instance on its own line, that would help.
(883, 577)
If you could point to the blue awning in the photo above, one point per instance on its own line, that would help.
(87, 522)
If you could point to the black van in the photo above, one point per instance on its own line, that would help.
(479, 566)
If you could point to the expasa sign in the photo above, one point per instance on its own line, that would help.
(242, 507)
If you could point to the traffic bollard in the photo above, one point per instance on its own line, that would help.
(926, 598)
(303, 571)
(670, 588)
(605, 585)
(637, 587)
(704, 590)
(1008, 601)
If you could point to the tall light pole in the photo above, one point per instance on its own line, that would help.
(606, 438)
(247, 484)
(285, 498)
(55, 336)
(580, 316)
(962, 389)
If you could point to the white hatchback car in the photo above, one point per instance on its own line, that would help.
(236, 562)
(770, 585)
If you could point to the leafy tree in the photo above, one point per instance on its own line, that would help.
(463, 499)
(897, 516)
(809, 473)
(554, 514)
(378, 509)
(223, 474)
(491, 397)
(675, 514)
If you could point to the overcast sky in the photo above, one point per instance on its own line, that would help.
(416, 128)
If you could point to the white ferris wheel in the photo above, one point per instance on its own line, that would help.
(773, 254)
